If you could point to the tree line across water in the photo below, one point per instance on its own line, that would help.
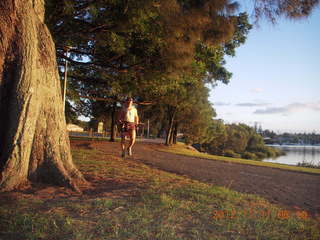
(291, 138)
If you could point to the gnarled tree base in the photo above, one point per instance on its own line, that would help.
(34, 145)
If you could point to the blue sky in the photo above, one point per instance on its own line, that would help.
(276, 78)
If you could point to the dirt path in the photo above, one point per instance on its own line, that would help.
(286, 188)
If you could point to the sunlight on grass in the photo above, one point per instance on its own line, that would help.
(163, 206)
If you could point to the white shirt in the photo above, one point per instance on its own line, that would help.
(129, 114)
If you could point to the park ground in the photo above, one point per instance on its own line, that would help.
(159, 194)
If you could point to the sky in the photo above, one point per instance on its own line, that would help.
(276, 78)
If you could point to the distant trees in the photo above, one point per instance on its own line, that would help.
(237, 140)
(240, 140)
(291, 138)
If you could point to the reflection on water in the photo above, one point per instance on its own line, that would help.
(296, 154)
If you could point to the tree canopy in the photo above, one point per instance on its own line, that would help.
(142, 48)
(149, 48)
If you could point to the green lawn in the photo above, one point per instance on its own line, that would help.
(147, 203)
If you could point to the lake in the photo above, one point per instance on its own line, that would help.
(296, 154)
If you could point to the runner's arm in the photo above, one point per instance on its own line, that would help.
(136, 118)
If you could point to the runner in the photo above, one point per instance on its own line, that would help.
(128, 119)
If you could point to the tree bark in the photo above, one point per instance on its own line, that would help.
(34, 145)
(113, 123)
(175, 133)
(172, 113)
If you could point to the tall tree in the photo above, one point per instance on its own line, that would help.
(34, 142)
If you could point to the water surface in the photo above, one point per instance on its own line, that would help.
(296, 154)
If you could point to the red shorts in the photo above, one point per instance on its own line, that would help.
(130, 125)
(127, 127)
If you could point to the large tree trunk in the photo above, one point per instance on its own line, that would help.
(34, 144)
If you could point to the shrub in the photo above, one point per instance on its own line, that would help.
(260, 155)
(249, 155)
(231, 153)
(268, 152)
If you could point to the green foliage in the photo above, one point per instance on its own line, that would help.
(249, 155)
(260, 155)
(212, 57)
(237, 140)
(146, 49)
(165, 51)
(113, 44)
(255, 142)
(231, 153)
(216, 137)
(185, 100)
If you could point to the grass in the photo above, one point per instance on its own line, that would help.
(180, 148)
(147, 203)
(93, 138)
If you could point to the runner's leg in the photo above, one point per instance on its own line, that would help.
(123, 144)
(132, 140)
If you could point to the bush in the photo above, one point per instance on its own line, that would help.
(231, 153)
(260, 155)
(249, 155)
(267, 152)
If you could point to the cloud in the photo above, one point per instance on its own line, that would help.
(248, 104)
(291, 108)
(271, 110)
(256, 90)
(221, 104)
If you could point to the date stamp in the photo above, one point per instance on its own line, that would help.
(258, 213)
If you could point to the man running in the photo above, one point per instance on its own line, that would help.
(128, 119)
